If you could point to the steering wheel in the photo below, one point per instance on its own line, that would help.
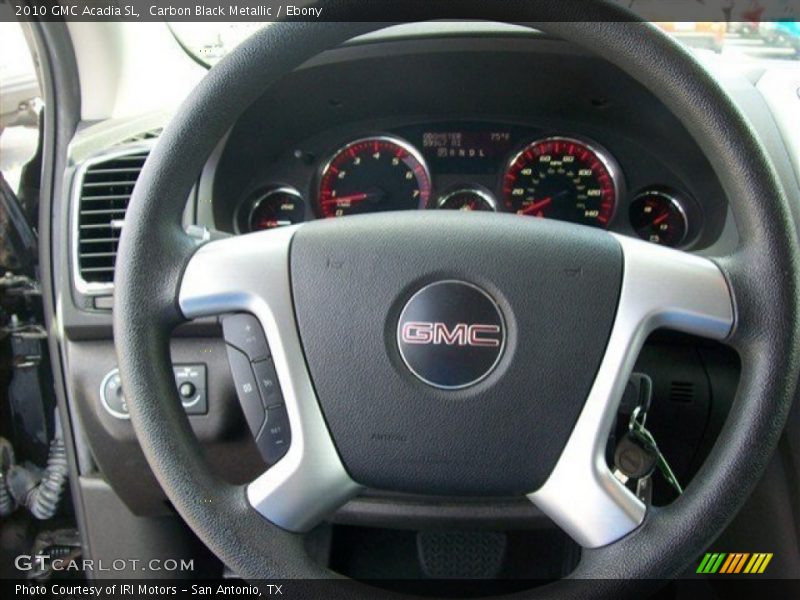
(521, 405)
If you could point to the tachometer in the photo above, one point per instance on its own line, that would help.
(373, 175)
(563, 178)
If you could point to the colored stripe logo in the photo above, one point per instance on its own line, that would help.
(734, 563)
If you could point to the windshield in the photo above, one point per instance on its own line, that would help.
(746, 39)
(209, 42)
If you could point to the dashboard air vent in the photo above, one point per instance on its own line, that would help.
(105, 187)
(143, 136)
(681, 391)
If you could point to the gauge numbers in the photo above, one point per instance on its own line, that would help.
(563, 178)
(373, 175)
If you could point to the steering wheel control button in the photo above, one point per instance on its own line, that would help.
(244, 332)
(191, 382)
(451, 334)
(195, 403)
(247, 390)
(275, 437)
(267, 381)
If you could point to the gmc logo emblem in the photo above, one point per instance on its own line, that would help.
(461, 334)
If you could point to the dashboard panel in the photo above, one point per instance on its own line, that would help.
(426, 128)
(484, 166)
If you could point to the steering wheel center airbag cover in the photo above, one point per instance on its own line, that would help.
(551, 291)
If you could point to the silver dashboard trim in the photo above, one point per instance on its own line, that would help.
(661, 288)
(250, 273)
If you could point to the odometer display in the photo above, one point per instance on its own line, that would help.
(562, 178)
(374, 175)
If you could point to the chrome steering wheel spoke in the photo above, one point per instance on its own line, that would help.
(661, 288)
(251, 274)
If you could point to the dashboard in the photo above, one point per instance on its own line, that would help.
(423, 126)
(523, 125)
(478, 166)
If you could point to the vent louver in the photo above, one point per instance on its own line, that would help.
(105, 188)
(143, 136)
(681, 391)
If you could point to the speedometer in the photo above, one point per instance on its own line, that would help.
(373, 175)
(563, 178)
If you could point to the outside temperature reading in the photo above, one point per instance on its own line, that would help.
(465, 144)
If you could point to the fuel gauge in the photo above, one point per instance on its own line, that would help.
(659, 217)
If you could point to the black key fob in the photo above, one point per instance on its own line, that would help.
(634, 460)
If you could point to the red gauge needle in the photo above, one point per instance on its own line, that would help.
(271, 223)
(536, 206)
(661, 219)
(345, 199)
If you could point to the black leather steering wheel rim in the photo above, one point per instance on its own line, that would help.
(763, 275)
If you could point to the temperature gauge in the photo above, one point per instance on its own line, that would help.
(659, 217)
(276, 208)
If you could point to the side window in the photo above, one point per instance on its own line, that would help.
(20, 109)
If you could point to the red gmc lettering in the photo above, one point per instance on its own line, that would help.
(461, 334)
(478, 335)
(456, 337)
(417, 333)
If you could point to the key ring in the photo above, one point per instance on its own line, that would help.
(634, 422)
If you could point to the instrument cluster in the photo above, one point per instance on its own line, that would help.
(477, 168)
